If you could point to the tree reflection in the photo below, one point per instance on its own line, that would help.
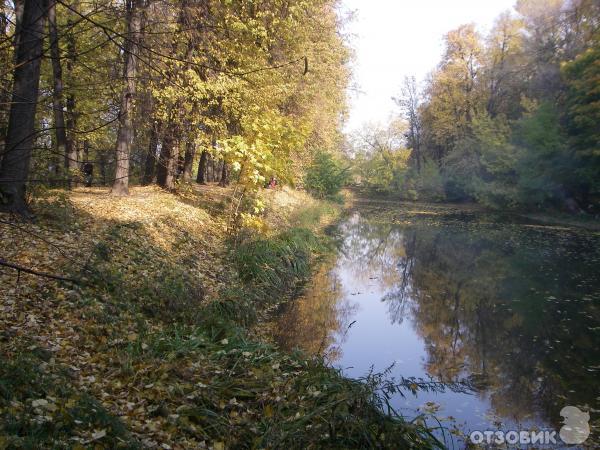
(504, 306)
(512, 308)
(317, 321)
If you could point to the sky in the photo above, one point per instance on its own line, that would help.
(395, 38)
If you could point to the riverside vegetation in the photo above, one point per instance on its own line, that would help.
(508, 120)
(159, 342)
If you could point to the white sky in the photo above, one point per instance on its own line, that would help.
(394, 38)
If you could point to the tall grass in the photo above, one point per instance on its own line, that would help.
(276, 266)
(255, 396)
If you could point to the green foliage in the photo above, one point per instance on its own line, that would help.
(277, 265)
(325, 177)
(310, 216)
(385, 170)
(428, 183)
(482, 166)
(583, 114)
(545, 165)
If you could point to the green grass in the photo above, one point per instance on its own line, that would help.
(310, 216)
(276, 265)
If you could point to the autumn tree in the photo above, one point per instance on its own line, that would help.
(20, 139)
(509, 118)
(153, 91)
(454, 94)
(125, 132)
(58, 105)
(410, 104)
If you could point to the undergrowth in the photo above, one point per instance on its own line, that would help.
(39, 409)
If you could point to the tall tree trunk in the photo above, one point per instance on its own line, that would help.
(57, 98)
(201, 176)
(150, 164)
(70, 157)
(5, 90)
(188, 161)
(14, 170)
(212, 169)
(165, 173)
(19, 9)
(224, 175)
(103, 163)
(125, 133)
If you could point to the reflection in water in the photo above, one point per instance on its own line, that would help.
(511, 306)
(318, 321)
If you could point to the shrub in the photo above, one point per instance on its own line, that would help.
(325, 177)
(430, 182)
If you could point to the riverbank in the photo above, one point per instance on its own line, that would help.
(156, 341)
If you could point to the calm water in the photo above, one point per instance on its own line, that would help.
(511, 308)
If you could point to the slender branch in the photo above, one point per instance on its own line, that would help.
(5, 263)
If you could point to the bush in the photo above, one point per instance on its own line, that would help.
(325, 177)
(545, 166)
(385, 171)
(429, 182)
(481, 167)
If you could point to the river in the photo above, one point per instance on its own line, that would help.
(507, 309)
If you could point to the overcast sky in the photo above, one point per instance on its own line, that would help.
(394, 38)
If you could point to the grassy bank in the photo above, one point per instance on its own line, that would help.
(155, 345)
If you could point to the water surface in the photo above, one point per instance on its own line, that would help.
(511, 308)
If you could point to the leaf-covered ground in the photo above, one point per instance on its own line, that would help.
(151, 347)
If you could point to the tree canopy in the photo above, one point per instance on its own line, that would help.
(160, 90)
(510, 119)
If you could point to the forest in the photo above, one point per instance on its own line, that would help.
(159, 92)
(508, 119)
